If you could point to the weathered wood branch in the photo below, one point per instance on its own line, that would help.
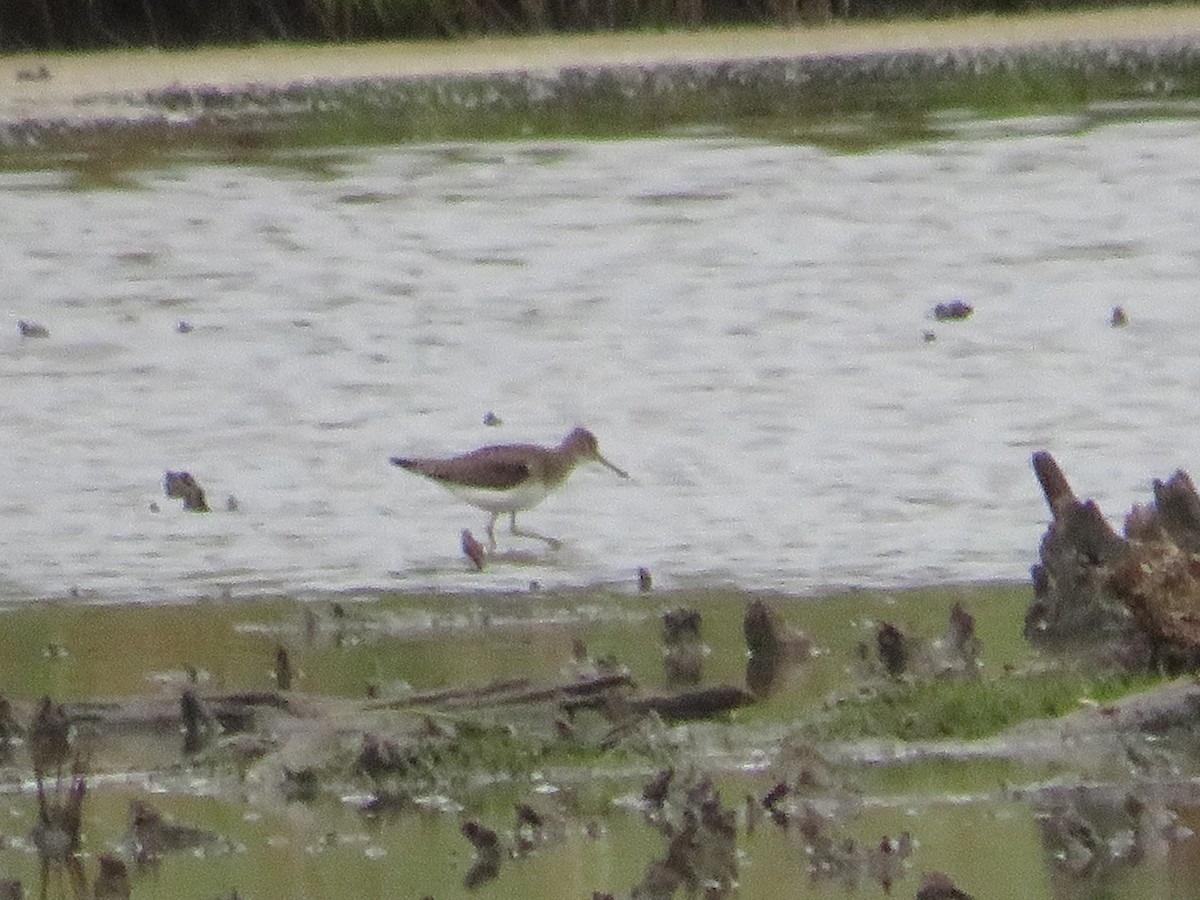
(508, 691)
(1054, 483)
(1178, 508)
(1135, 599)
(702, 703)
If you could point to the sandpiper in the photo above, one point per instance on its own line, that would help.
(509, 478)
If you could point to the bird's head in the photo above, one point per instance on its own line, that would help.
(581, 444)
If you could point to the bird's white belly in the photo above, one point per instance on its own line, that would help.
(523, 496)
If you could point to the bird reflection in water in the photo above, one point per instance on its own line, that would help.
(487, 854)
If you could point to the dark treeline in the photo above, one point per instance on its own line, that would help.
(96, 24)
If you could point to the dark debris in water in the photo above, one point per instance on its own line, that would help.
(151, 834)
(183, 486)
(953, 311)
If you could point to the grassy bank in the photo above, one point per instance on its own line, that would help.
(436, 641)
(841, 100)
(304, 779)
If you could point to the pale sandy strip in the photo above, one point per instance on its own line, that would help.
(80, 75)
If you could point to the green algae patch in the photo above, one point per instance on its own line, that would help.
(958, 710)
(843, 103)
(413, 715)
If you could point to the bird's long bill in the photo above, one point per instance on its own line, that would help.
(604, 462)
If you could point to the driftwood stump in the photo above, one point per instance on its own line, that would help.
(771, 646)
(683, 661)
(183, 486)
(1133, 600)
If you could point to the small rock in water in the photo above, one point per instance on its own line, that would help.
(953, 311)
(473, 550)
(9, 728)
(774, 795)
(49, 738)
(962, 640)
(684, 658)
(283, 669)
(197, 723)
(231, 503)
(300, 784)
(1118, 318)
(885, 861)
(150, 835)
(153, 506)
(681, 626)
(929, 337)
(491, 419)
(893, 649)
(939, 886)
(181, 485)
(184, 327)
(32, 329)
(655, 791)
(645, 582)
(112, 881)
(579, 650)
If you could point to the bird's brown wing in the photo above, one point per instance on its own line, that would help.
(491, 474)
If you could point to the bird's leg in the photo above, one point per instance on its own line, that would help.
(491, 532)
(553, 543)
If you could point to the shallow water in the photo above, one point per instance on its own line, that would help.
(970, 817)
(304, 852)
(740, 323)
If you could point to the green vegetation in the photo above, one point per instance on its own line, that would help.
(73, 652)
(968, 710)
(845, 104)
(68, 650)
(434, 765)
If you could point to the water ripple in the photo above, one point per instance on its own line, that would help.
(741, 324)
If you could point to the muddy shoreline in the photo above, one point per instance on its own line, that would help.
(349, 740)
(180, 87)
(580, 758)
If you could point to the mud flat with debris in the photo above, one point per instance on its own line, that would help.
(1025, 739)
(38, 85)
(648, 741)
(601, 84)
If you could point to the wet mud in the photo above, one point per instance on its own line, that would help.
(710, 766)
